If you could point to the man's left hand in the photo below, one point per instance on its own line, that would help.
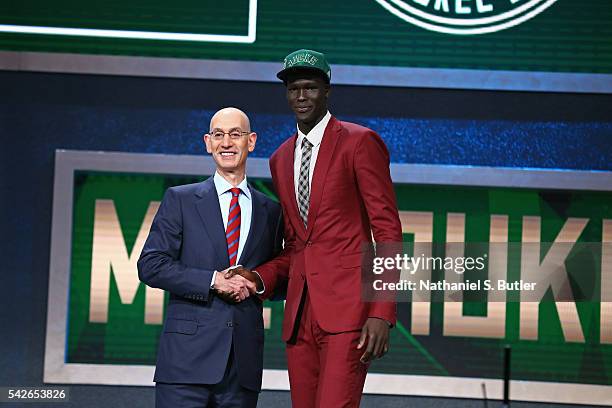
(232, 290)
(247, 274)
(375, 333)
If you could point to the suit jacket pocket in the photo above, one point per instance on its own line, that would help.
(181, 326)
(351, 260)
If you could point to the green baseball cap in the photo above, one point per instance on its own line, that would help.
(305, 60)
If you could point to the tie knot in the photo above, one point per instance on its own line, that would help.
(306, 145)
(235, 191)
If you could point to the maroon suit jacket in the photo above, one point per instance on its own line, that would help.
(351, 199)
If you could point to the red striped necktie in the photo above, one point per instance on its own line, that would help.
(232, 232)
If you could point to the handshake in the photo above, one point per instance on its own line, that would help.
(237, 283)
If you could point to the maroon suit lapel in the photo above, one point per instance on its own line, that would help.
(289, 186)
(324, 158)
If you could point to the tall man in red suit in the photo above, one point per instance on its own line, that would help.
(335, 189)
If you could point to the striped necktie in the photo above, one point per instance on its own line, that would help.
(303, 184)
(232, 232)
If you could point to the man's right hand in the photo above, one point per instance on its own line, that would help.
(234, 289)
(247, 274)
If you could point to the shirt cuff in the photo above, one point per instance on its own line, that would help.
(263, 285)
(212, 281)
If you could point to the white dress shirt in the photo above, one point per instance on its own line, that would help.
(246, 209)
(315, 136)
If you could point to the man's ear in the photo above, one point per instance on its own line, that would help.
(252, 140)
(206, 139)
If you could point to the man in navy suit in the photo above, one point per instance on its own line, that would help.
(211, 349)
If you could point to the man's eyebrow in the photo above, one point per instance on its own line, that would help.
(231, 130)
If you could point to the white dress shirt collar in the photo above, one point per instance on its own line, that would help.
(222, 185)
(315, 136)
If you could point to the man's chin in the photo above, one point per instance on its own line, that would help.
(227, 167)
(305, 117)
(230, 168)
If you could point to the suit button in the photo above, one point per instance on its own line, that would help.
(230, 324)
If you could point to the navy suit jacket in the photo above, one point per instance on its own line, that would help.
(185, 245)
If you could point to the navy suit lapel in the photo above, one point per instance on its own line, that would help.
(208, 207)
(259, 219)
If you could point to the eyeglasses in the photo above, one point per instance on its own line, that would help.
(234, 134)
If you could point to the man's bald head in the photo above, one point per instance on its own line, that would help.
(230, 115)
(230, 141)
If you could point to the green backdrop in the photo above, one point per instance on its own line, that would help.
(569, 36)
(126, 339)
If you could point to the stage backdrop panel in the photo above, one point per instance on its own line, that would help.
(103, 324)
(488, 44)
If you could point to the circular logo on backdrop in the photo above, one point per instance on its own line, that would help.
(466, 17)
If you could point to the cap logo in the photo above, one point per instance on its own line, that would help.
(300, 58)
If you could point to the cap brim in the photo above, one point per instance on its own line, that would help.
(282, 75)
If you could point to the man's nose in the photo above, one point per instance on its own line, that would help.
(227, 141)
(302, 94)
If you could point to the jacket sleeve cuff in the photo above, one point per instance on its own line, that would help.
(385, 311)
(263, 285)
